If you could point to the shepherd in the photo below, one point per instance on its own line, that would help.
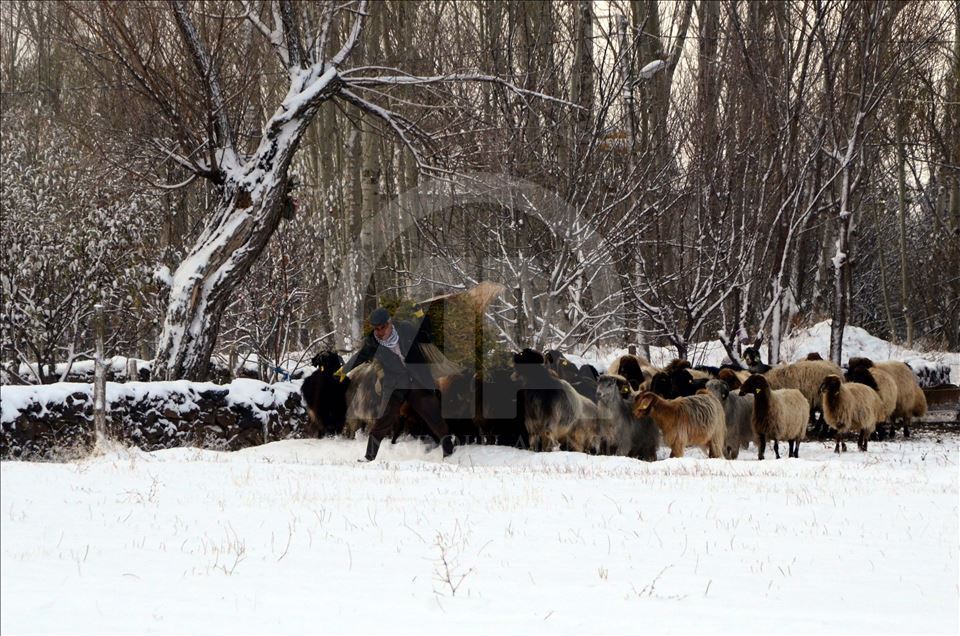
(406, 378)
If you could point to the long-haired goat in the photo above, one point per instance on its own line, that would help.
(687, 421)
(911, 402)
(636, 437)
(362, 397)
(737, 415)
(778, 415)
(849, 407)
(554, 413)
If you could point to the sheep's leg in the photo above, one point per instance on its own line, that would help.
(776, 448)
(715, 450)
(836, 447)
(863, 440)
(762, 446)
(842, 441)
(906, 427)
(796, 449)
(676, 449)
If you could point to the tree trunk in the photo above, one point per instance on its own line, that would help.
(247, 213)
(900, 132)
(841, 256)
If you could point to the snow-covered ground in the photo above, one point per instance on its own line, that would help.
(296, 536)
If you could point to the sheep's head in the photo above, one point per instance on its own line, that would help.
(675, 365)
(716, 388)
(528, 356)
(661, 385)
(529, 368)
(327, 362)
(813, 355)
(855, 363)
(755, 385)
(614, 387)
(730, 378)
(559, 364)
(751, 356)
(830, 385)
(629, 367)
(862, 375)
(643, 403)
(682, 383)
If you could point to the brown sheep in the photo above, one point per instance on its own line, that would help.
(849, 407)
(778, 414)
(881, 382)
(686, 421)
(911, 401)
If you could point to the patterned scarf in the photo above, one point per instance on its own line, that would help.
(392, 342)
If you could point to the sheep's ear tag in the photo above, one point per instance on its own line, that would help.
(321, 368)
(564, 362)
(757, 391)
(418, 313)
(624, 390)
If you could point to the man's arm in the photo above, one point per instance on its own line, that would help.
(365, 354)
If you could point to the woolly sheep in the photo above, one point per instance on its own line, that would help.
(881, 382)
(911, 401)
(778, 414)
(849, 407)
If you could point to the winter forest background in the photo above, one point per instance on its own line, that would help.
(744, 167)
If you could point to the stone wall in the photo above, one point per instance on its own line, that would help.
(56, 421)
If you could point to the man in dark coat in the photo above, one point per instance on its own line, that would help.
(406, 378)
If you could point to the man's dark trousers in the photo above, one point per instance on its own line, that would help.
(424, 402)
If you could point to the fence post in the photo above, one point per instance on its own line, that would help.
(99, 379)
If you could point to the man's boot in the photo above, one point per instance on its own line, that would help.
(373, 446)
(447, 444)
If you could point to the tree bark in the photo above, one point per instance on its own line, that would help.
(247, 213)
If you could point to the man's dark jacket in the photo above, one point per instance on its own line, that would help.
(415, 374)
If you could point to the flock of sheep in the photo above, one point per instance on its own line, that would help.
(544, 402)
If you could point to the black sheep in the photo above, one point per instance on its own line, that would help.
(325, 393)
(752, 357)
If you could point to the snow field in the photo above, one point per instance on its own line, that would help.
(295, 536)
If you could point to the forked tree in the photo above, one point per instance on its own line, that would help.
(206, 127)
